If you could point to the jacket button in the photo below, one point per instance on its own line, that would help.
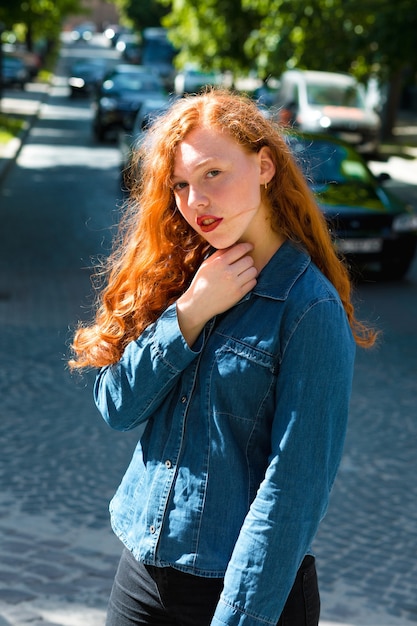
(184, 399)
(168, 464)
(152, 529)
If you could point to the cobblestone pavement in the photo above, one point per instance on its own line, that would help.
(60, 465)
(367, 543)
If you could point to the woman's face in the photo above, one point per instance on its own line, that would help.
(217, 187)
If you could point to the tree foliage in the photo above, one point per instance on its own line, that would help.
(141, 14)
(37, 19)
(211, 33)
(359, 36)
(363, 37)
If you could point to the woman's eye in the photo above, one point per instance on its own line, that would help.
(213, 173)
(179, 186)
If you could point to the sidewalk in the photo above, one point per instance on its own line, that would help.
(25, 104)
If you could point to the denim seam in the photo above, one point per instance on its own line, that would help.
(302, 317)
(260, 618)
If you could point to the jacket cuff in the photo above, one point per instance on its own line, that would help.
(228, 615)
(170, 340)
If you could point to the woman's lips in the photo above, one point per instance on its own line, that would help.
(207, 223)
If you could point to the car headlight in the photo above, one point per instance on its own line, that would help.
(405, 223)
(325, 122)
(109, 104)
(78, 83)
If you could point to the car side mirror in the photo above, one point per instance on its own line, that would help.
(383, 176)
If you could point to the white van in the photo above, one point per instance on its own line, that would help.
(328, 102)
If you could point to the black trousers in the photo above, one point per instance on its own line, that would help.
(153, 596)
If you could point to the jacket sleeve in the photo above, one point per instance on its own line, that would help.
(308, 432)
(128, 392)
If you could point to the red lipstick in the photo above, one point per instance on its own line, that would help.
(207, 223)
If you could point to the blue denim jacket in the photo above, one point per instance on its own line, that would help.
(240, 436)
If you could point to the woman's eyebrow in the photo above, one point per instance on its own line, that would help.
(195, 167)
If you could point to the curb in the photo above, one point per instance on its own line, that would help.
(11, 150)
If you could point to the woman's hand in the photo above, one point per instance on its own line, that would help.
(220, 282)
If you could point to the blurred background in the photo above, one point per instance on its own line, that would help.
(251, 40)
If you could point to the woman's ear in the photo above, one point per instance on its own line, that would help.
(266, 165)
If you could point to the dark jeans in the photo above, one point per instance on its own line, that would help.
(153, 596)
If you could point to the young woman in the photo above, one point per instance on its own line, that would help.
(225, 334)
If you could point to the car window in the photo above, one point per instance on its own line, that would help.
(323, 162)
(335, 95)
(354, 170)
(157, 51)
(129, 82)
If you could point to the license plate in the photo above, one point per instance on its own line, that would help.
(350, 246)
(350, 137)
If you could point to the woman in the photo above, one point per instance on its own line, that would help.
(226, 334)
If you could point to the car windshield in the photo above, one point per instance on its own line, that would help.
(88, 66)
(157, 51)
(132, 82)
(334, 95)
(326, 162)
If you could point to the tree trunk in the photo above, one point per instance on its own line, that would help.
(392, 104)
(29, 36)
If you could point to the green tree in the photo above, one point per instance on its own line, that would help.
(141, 14)
(388, 48)
(363, 37)
(211, 33)
(37, 19)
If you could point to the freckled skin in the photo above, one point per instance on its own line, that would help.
(217, 187)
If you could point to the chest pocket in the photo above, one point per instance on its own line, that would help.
(242, 382)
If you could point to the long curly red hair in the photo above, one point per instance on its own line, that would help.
(157, 253)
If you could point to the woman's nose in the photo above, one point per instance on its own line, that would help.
(196, 197)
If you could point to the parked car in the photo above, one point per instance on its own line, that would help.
(120, 96)
(31, 60)
(83, 32)
(328, 102)
(373, 229)
(159, 53)
(149, 111)
(266, 94)
(193, 80)
(14, 72)
(130, 47)
(113, 33)
(85, 76)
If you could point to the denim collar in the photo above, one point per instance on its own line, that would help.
(281, 272)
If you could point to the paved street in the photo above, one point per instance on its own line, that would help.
(60, 463)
